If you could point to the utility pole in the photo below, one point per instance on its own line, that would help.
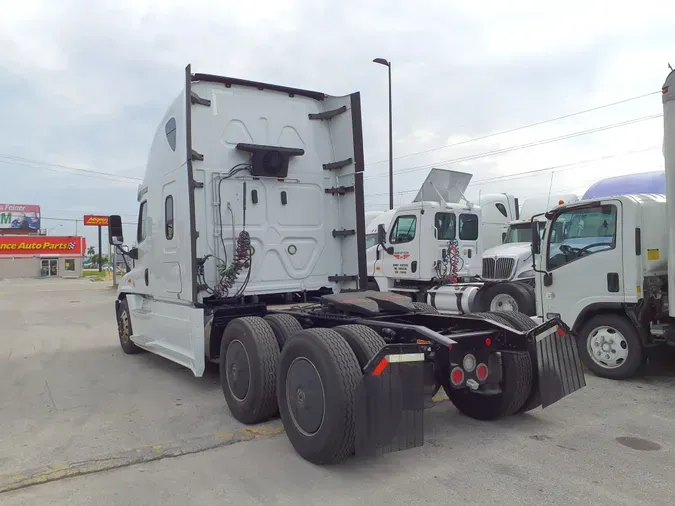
(387, 64)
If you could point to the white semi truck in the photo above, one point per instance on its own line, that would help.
(611, 275)
(432, 248)
(254, 188)
(512, 260)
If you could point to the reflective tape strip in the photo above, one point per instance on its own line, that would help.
(406, 357)
(547, 333)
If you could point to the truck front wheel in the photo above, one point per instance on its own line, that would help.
(506, 297)
(610, 346)
(124, 329)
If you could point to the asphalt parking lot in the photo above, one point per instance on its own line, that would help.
(83, 423)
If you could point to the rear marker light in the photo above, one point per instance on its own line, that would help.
(397, 359)
(488, 341)
(457, 376)
(560, 332)
(469, 362)
(482, 372)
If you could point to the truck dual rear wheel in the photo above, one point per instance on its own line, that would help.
(283, 325)
(316, 390)
(610, 346)
(423, 307)
(516, 389)
(249, 356)
(519, 386)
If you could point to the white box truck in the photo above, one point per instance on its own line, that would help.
(254, 188)
(605, 267)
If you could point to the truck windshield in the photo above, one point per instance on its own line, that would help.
(522, 232)
(371, 240)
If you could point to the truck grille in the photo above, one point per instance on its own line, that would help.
(498, 268)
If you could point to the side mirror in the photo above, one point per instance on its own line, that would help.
(382, 239)
(536, 240)
(115, 232)
(503, 237)
(381, 234)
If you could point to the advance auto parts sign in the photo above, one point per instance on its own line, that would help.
(19, 217)
(29, 246)
(92, 220)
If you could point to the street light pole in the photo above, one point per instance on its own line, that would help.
(387, 64)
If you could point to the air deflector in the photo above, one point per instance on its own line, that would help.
(269, 161)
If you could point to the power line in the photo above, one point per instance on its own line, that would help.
(520, 146)
(77, 220)
(531, 125)
(554, 168)
(42, 165)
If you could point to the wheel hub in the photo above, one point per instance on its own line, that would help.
(237, 369)
(503, 302)
(607, 347)
(305, 396)
(124, 326)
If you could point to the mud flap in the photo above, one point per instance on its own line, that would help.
(559, 366)
(390, 403)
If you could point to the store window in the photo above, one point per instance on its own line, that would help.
(69, 265)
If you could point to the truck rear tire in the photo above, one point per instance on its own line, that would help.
(506, 297)
(124, 330)
(316, 389)
(516, 389)
(522, 322)
(284, 326)
(423, 307)
(518, 321)
(364, 341)
(249, 357)
(618, 342)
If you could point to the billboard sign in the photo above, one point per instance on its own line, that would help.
(41, 245)
(94, 220)
(19, 217)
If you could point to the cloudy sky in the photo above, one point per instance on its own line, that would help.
(84, 85)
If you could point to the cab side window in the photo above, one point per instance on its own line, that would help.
(446, 225)
(403, 230)
(468, 227)
(580, 233)
(168, 217)
(142, 232)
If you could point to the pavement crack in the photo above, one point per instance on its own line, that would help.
(29, 478)
(51, 397)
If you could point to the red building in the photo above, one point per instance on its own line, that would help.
(26, 251)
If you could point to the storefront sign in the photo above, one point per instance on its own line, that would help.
(40, 245)
(19, 217)
(93, 220)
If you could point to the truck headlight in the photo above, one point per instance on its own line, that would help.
(526, 274)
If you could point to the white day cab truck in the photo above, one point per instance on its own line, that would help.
(611, 277)
(511, 261)
(252, 189)
(432, 249)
